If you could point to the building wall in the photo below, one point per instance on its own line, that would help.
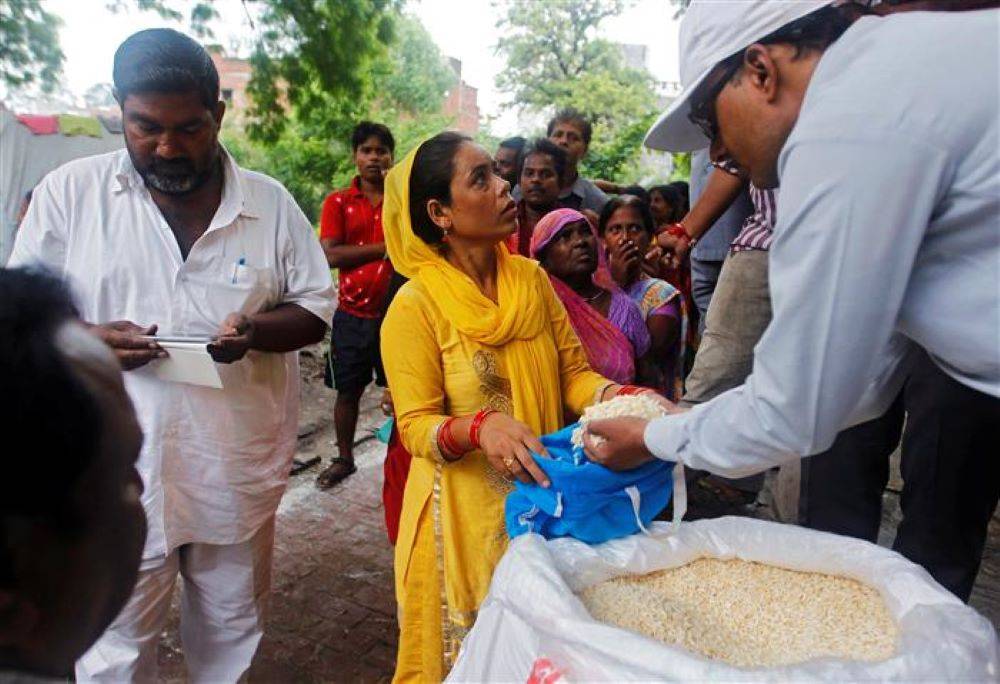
(462, 101)
(234, 75)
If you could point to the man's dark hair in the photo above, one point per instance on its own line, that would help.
(627, 200)
(516, 143)
(430, 178)
(50, 422)
(544, 146)
(814, 32)
(164, 61)
(368, 129)
(570, 115)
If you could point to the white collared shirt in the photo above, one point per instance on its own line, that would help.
(888, 237)
(214, 462)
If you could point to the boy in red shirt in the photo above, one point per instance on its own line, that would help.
(351, 235)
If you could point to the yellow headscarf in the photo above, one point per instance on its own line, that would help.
(519, 314)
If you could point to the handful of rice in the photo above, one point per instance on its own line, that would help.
(749, 614)
(630, 405)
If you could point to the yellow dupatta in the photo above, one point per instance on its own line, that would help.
(515, 322)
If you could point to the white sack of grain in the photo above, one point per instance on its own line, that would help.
(533, 615)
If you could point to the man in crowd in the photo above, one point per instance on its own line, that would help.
(542, 165)
(506, 159)
(711, 249)
(860, 275)
(71, 525)
(571, 131)
(351, 235)
(171, 236)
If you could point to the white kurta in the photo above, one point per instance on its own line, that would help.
(888, 238)
(214, 462)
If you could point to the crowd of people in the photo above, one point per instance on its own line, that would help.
(495, 297)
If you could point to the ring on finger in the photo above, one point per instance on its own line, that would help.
(508, 462)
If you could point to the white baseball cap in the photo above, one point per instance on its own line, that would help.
(711, 31)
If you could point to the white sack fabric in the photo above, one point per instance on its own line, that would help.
(532, 613)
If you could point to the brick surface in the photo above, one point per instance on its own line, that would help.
(332, 611)
(332, 614)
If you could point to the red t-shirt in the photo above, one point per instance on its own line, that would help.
(351, 219)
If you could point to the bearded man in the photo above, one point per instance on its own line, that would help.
(171, 237)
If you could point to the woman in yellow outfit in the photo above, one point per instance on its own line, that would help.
(481, 359)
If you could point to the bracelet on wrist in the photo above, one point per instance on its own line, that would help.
(476, 427)
(446, 440)
(634, 390)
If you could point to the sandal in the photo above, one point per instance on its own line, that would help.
(338, 471)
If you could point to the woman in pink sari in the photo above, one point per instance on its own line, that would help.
(607, 321)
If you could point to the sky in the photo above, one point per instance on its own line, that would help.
(465, 29)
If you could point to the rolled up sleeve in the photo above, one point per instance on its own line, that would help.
(852, 216)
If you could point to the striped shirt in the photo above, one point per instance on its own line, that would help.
(758, 228)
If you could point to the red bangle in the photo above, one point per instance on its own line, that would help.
(627, 390)
(446, 440)
(477, 424)
(677, 230)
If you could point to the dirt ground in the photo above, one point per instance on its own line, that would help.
(332, 615)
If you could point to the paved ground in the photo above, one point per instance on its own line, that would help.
(332, 609)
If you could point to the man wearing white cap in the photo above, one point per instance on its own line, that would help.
(884, 135)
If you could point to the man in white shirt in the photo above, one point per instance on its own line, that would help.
(171, 236)
(886, 141)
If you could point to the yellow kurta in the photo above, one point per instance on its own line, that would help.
(452, 529)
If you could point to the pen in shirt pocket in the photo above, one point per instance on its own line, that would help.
(236, 268)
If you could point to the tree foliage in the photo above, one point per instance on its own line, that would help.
(313, 57)
(200, 12)
(29, 45)
(303, 142)
(555, 60)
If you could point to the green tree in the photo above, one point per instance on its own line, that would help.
(313, 58)
(29, 45)
(200, 12)
(555, 60)
(402, 85)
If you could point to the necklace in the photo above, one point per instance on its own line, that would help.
(591, 300)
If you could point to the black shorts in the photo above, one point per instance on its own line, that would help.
(354, 353)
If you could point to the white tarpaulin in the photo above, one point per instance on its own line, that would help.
(25, 158)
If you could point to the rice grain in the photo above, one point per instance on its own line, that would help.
(749, 614)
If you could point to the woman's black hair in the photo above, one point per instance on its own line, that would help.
(430, 179)
(616, 203)
(671, 196)
(684, 195)
(164, 61)
(636, 191)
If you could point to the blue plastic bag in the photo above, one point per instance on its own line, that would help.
(586, 500)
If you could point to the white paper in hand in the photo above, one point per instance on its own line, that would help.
(189, 362)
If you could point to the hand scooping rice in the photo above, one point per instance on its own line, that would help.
(632, 406)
